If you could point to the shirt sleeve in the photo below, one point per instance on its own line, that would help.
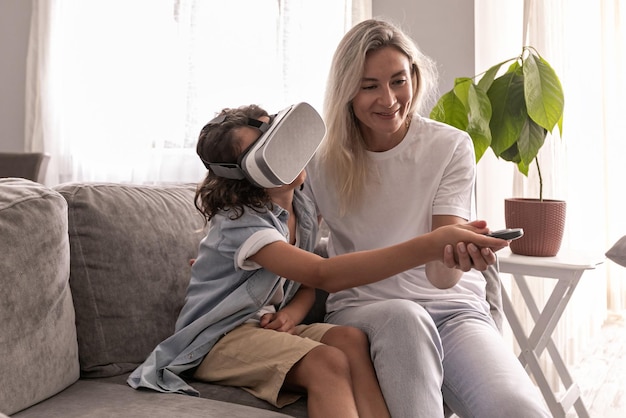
(455, 193)
(252, 245)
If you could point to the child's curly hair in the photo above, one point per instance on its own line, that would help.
(220, 143)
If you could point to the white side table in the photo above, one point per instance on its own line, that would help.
(567, 269)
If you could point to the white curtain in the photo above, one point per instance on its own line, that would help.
(585, 41)
(118, 90)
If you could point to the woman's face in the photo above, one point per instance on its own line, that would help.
(384, 97)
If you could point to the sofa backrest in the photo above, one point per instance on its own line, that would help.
(129, 268)
(38, 350)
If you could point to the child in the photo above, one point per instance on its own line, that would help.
(253, 282)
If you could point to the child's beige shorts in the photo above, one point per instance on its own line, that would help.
(258, 359)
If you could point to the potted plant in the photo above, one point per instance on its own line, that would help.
(512, 114)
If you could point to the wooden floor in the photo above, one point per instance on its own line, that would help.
(601, 373)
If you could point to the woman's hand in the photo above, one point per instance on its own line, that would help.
(473, 250)
(465, 257)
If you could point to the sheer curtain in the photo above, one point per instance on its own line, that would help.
(586, 44)
(118, 90)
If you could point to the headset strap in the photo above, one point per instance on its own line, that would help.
(233, 170)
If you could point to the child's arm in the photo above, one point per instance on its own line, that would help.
(292, 314)
(363, 267)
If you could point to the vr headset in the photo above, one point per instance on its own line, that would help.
(283, 150)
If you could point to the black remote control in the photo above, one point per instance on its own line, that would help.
(507, 234)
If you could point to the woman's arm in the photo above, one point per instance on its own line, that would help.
(363, 267)
(445, 274)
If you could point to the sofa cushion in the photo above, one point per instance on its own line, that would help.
(130, 249)
(101, 399)
(38, 350)
(230, 394)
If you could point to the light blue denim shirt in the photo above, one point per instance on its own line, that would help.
(221, 296)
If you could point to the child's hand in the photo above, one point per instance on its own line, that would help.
(279, 321)
(471, 232)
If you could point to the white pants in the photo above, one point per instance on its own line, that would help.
(428, 352)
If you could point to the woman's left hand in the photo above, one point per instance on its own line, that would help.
(468, 256)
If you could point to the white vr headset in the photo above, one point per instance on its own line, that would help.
(283, 150)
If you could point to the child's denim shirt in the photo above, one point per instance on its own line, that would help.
(221, 296)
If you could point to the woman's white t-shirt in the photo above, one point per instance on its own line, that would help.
(431, 172)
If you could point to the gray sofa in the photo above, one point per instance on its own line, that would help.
(93, 277)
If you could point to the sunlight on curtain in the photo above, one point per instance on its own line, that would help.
(586, 44)
(614, 128)
(118, 90)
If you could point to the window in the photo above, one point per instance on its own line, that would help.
(120, 89)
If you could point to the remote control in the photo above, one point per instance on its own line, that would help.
(507, 234)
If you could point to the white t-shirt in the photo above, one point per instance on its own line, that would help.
(431, 172)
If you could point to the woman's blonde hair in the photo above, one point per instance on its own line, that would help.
(343, 153)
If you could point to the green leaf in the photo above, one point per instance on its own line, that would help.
(543, 92)
(511, 154)
(449, 109)
(523, 168)
(531, 139)
(490, 75)
(479, 113)
(514, 66)
(466, 107)
(508, 110)
(461, 89)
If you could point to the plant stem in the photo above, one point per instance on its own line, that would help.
(540, 180)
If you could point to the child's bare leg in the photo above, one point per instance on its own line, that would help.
(355, 344)
(324, 373)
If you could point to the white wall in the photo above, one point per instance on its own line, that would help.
(443, 29)
(14, 26)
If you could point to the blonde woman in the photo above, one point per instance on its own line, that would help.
(383, 175)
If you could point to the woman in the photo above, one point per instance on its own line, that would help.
(385, 174)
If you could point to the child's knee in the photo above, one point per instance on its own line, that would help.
(328, 360)
(341, 336)
(321, 365)
(355, 336)
(351, 340)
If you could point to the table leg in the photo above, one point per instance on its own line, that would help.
(532, 346)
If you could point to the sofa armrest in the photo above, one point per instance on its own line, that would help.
(494, 294)
(38, 349)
